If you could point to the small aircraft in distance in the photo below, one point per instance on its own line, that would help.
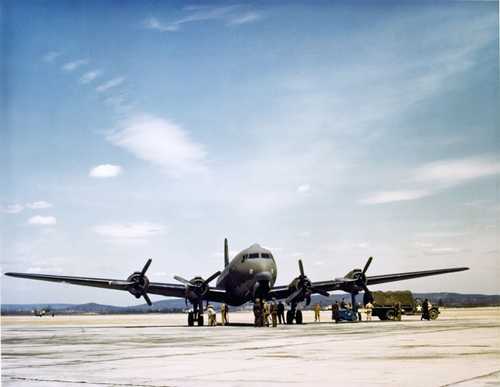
(250, 275)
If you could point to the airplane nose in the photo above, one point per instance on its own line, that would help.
(264, 276)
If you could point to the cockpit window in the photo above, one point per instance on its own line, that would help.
(253, 255)
(265, 255)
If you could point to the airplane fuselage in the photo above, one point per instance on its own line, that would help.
(249, 275)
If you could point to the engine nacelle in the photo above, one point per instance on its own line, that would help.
(141, 284)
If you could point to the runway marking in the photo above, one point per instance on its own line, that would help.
(84, 382)
(471, 379)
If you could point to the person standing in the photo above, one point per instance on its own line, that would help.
(425, 310)
(281, 313)
(342, 304)
(399, 311)
(336, 311)
(274, 313)
(369, 310)
(317, 310)
(224, 311)
(267, 313)
(257, 312)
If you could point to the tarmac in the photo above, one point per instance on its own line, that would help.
(460, 348)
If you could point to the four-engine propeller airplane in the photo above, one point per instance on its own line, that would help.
(251, 274)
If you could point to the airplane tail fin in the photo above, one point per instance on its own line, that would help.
(226, 253)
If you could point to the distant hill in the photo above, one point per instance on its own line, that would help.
(178, 305)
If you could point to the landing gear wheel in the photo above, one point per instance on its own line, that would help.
(289, 317)
(298, 317)
(390, 314)
(433, 314)
(190, 319)
(200, 320)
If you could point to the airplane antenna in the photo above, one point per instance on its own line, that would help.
(226, 253)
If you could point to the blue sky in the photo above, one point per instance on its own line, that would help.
(327, 132)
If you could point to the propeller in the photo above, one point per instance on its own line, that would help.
(138, 283)
(361, 282)
(302, 286)
(197, 287)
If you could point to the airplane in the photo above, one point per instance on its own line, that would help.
(249, 276)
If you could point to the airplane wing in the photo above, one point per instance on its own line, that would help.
(380, 279)
(162, 289)
(349, 284)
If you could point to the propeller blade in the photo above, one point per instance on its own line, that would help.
(148, 300)
(308, 299)
(301, 268)
(293, 296)
(146, 266)
(182, 280)
(212, 277)
(367, 265)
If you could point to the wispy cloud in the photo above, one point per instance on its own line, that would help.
(105, 170)
(160, 142)
(12, 208)
(51, 56)
(39, 205)
(303, 188)
(437, 176)
(90, 76)
(110, 84)
(142, 230)
(231, 15)
(42, 220)
(393, 196)
(71, 66)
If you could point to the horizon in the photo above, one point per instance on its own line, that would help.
(328, 133)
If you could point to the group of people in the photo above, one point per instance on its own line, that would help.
(263, 311)
(212, 315)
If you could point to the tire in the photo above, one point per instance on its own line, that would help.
(390, 314)
(190, 319)
(200, 320)
(289, 317)
(433, 313)
(298, 317)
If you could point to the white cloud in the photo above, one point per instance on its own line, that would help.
(304, 188)
(13, 208)
(90, 76)
(51, 56)
(453, 172)
(160, 142)
(129, 230)
(393, 196)
(39, 205)
(231, 14)
(70, 66)
(105, 170)
(248, 17)
(42, 220)
(110, 84)
(444, 250)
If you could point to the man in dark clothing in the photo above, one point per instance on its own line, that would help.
(342, 304)
(335, 312)
(425, 310)
(281, 313)
(257, 312)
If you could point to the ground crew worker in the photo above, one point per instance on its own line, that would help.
(274, 313)
(425, 310)
(336, 311)
(317, 310)
(398, 311)
(267, 313)
(223, 312)
(369, 310)
(342, 304)
(257, 312)
(281, 312)
(212, 317)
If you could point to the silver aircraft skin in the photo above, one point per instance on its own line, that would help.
(250, 275)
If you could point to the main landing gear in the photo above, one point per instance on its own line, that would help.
(294, 314)
(196, 315)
